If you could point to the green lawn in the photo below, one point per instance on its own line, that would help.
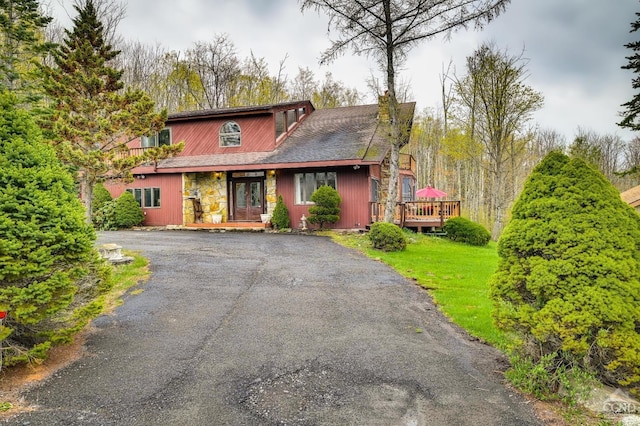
(456, 275)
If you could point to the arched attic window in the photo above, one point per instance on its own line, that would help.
(230, 134)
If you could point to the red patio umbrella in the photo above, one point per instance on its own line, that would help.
(430, 192)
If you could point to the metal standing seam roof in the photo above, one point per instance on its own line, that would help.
(331, 134)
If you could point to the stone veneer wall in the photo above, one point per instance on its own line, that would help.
(211, 191)
(272, 198)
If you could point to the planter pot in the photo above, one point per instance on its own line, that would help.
(265, 218)
(216, 218)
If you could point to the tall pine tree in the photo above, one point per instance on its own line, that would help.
(92, 116)
(632, 108)
(22, 44)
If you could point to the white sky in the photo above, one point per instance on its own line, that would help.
(575, 49)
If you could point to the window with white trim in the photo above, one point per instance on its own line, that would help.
(307, 183)
(230, 134)
(161, 138)
(146, 197)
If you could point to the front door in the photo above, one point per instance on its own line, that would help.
(248, 199)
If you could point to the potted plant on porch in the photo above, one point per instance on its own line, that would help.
(265, 217)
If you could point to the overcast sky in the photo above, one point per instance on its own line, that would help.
(574, 49)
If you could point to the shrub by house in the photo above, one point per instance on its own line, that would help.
(127, 211)
(326, 208)
(280, 216)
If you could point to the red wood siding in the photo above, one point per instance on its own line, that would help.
(353, 187)
(201, 134)
(202, 137)
(170, 210)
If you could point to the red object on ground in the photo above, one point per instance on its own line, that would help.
(3, 314)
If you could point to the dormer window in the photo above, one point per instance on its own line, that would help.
(161, 138)
(230, 134)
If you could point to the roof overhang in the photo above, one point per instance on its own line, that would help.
(263, 166)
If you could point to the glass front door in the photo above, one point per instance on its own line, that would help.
(248, 199)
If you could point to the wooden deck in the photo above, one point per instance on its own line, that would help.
(419, 214)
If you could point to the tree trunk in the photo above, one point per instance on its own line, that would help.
(394, 124)
(497, 195)
(392, 194)
(86, 194)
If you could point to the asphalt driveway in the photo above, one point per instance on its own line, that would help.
(270, 329)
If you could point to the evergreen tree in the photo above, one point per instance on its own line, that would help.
(630, 116)
(100, 197)
(50, 275)
(326, 208)
(93, 117)
(21, 44)
(103, 207)
(280, 216)
(568, 281)
(127, 211)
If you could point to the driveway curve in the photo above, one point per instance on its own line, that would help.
(272, 329)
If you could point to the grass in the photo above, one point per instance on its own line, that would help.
(456, 275)
(124, 277)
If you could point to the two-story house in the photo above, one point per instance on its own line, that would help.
(237, 161)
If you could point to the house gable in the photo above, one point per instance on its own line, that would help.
(261, 128)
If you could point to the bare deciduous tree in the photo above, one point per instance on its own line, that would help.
(216, 64)
(255, 86)
(499, 106)
(303, 85)
(602, 151)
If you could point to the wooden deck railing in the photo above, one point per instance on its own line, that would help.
(132, 152)
(418, 214)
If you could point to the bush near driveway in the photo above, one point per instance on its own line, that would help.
(568, 281)
(50, 274)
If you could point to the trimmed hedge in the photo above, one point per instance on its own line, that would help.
(465, 231)
(387, 237)
(127, 211)
(280, 216)
(326, 208)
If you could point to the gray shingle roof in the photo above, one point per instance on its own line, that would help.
(337, 134)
